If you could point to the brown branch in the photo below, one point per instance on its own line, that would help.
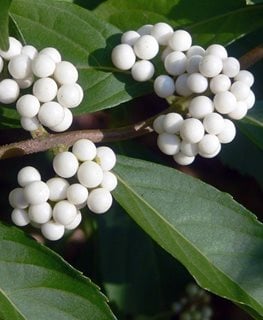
(251, 57)
(68, 138)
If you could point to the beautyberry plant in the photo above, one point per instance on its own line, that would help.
(131, 148)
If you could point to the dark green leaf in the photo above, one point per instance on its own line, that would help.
(35, 283)
(9, 117)
(4, 7)
(228, 27)
(252, 125)
(216, 239)
(82, 39)
(178, 13)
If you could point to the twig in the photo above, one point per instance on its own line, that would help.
(68, 138)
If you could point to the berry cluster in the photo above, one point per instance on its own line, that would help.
(53, 82)
(54, 206)
(193, 305)
(211, 82)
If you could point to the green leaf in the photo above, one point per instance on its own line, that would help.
(4, 7)
(83, 39)
(227, 27)
(128, 264)
(9, 117)
(252, 125)
(215, 238)
(36, 283)
(178, 13)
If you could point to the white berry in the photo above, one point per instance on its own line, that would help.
(1, 64)
(175, 63)
(200, 106)
(51, 114)
(65, 164)
(99, 200)
(65, 123)
(195, 50)
(172, 122)
(129, 37)
(20, 66)
(197, 83)
(220, 83)
(17, 198)
(231, 67)
(52, 230)
(36, 192)
(145, 29)
(53, 53)
(183, 159)
(142, 70)
(106, 158)
(245, 76)
(77, 193)
(213, 123)
(158, 124)
(217, 50)
(70, 95)
(45, 89)
(210, 66)
(164, 86)
(146, 47)
(181, 86)
(189, 149)
(208, 145)
(90, 174)
(43, 66)
(240, 90)
(109, 181)
(20, 217)
(30, 124)
(123, 56)
(225, 102)
(57, 188)
(40, 213)
(162, 32)
(14, 49)
(250, 100)
(30, 51)
(9, 91)
(180, 40)
(28, 106)
(26, 82)
(65, 73)
(192, 64)
(168, 143)
(64, 212)
(27, 174)
(75, 223)
(228, 133)
(192, 130)
(239, 112)
(84, 149)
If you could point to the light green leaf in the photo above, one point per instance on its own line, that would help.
(4, 7)
(215, 238)
(35, 283)
(9, 118)
(83, 39)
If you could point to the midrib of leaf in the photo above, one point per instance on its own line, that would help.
(179, 235)
(253, 121)
(11, 303)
